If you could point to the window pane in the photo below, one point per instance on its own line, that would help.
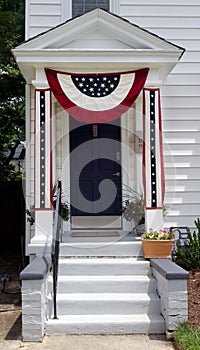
(81, 6)
(77, 7)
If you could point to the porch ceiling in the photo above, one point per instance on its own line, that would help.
(97, 41)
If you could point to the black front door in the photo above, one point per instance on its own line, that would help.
(95, 169)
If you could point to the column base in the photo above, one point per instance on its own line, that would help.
(153, 219)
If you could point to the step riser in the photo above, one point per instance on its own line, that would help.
(133, 249)
(91, 313)
(106, 286)
(78, 269)
(85, 307)
(107, 328)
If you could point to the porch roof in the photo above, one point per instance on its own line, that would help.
(94, 42)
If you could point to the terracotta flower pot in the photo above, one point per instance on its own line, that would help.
(157, 248)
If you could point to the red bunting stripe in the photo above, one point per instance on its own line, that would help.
(96, 98)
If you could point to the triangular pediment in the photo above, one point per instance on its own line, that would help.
(96, 28)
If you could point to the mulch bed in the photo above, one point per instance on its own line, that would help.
(194, 299)
(10, 296)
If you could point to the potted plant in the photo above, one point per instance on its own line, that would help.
(133, 209)
(157, 244)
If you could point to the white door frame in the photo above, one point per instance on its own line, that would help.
(131, 163)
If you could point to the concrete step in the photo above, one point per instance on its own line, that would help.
(104, 266)
(102, 248)
(106, 284)
(107, 303)
(106, 324)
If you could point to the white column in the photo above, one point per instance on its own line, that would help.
(153, 167)
(43, 167)
(153, 219)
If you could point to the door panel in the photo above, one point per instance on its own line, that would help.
(95, 169)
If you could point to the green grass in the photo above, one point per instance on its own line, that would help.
(187, 338)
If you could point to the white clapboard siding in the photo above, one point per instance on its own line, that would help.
(171, 173)
(180, 114)
(180, 90)
(42, 15)
(173, 220)
(158, 2)
(153, 22)
(188, 44)
(191, 56)
(187, 68)
(182, 186)
(177, 125)
(178, 33)
(39, 9)
(158, 10)
(182, 161)
(184, 209)
(181, 198)
(181, 102)
(182, 137)
(181, 149)
(183, 79)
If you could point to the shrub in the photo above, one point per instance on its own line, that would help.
(189, 257)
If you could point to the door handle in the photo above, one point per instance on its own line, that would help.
(117, 174)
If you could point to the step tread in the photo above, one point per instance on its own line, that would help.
(100, 260)
(108, 296)
(100, 243)
(109, 278)
(106, 317)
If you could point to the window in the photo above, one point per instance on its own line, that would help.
(81, 6)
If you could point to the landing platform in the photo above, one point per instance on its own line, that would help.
(122, 244)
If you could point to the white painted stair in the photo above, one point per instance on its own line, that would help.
(105, 294)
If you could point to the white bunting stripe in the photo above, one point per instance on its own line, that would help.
(97, 103)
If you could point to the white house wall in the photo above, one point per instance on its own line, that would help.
(179, 22)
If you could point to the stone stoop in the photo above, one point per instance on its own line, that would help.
(101, 293)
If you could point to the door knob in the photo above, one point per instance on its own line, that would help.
(117, 174)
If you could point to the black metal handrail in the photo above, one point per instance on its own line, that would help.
(57, 229)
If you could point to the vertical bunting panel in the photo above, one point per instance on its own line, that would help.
(153, 165)
(43, 151)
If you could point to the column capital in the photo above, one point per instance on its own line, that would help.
(40, 85)
(40, 81)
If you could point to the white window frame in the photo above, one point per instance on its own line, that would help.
(66, 8)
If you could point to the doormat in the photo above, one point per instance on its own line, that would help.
(95, 234)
